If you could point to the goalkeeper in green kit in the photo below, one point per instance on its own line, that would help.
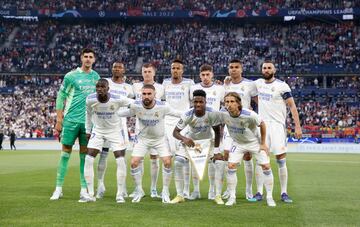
(70, 121)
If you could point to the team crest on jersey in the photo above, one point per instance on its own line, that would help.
(183, 87)
(272, 89)
(156, 114)
(242, 88)
(214, 93)
(206, 121)
(112, 107)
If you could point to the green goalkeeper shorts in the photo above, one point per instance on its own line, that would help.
(71, 131)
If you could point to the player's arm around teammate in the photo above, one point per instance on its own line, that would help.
(101, 113)
(150, 114)
(117, 86)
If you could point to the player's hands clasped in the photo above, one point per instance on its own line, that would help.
(188, 142)
(218, 156)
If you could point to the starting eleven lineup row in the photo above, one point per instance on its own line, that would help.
(94, 110)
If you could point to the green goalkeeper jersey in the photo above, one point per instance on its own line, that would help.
(77, 85)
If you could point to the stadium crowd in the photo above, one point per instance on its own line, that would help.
(175, 5)
(30, 111)
(296, 48)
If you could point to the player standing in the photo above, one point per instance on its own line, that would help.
(77, 85)
(177, 95)
(150, 114)
(117, 86)
(105, 125)
(148, 73)
(274, 96)
(246, 89)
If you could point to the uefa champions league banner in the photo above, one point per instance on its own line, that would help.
(184, 14)
(199, 155)
(176, 14)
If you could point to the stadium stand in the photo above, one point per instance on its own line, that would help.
(176, 4)
(319, 59)
(309, 47)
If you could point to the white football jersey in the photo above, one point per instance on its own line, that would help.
(123, 89)
(214, 94)
(158, 88)
(244, 128)
(177, 96)
(272, 96)
(151, 121)
(199, 127)
(102, 117)
(246, 89)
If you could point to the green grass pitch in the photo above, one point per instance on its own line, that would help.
(324, 187)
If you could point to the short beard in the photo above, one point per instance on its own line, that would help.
(147, 103)
(269, 77)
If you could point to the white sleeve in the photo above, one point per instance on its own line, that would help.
(172, 112)
(160, 93)
(126, 102)
(182, 123)
(253, 90)
(219, 117)
(130, 112)
(256, 93)
(131, 92)
(191, 92)
(134, 90)
(215, 118)
(88, 122)
(285, 91)
(256, 118)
